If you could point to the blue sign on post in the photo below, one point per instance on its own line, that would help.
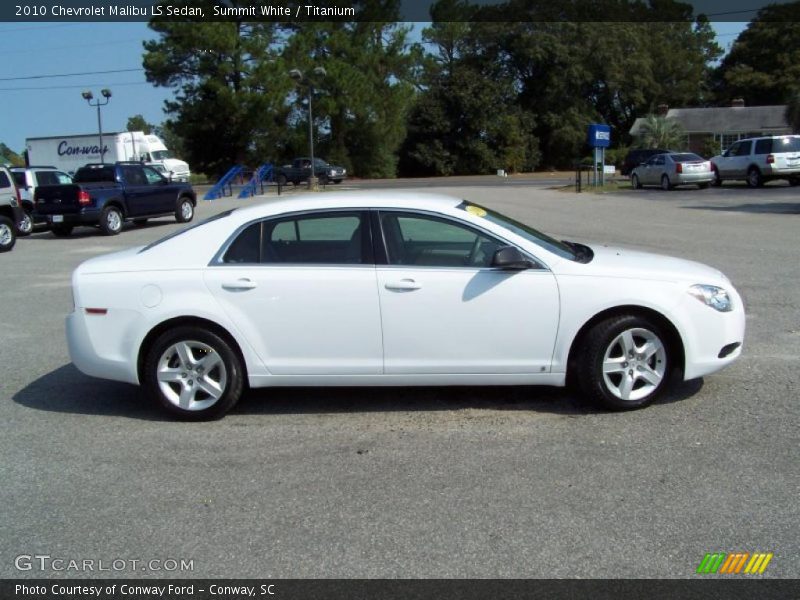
(599, 135)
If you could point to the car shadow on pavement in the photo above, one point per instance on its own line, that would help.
(67, 390)
(777, 208)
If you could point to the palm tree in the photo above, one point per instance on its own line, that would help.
(660, 132)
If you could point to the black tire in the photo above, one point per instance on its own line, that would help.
(184, 211)
(717, 181)
(323, 179)
(603, 339)
(61, 230)
(111, 220)
(703, 186)
(754, 178)
(8, 234)
(202, 342)
(25, 226)
(140, 222)
(665, 184)
(635, 183)
(281, 179)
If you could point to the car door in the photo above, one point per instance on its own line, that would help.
(137, 191)
(163, 192)
(302, 290)
(741, 161)
(445, 310)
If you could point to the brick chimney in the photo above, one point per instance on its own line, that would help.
(663, 109)
(737, 103)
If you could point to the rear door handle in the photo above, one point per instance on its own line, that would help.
(240, 284)
(404, 285)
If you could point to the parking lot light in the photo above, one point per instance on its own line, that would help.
(88, 96)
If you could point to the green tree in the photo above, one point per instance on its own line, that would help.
(659, 132)
(763, 66)
(138, 123)
(8, 156)
(229, 83)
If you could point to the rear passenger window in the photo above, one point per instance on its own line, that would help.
(334, 238)
(4, 182)
(245, 249)
(763, 146)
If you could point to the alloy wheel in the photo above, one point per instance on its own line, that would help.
(191, 375)
(634, 364)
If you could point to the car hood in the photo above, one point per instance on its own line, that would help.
(614, 262)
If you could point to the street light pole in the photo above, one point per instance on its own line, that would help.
(88, 96)
(308, 81)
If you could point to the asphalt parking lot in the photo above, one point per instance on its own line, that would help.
(459, 482)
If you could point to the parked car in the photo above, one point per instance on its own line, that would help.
(300, 170)
(760, 159)
(637, 156)
(673, 169)
(367, 289)
(27, 179)
(108, 195)
(11, 214)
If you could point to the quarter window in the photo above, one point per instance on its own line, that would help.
(764, 146)
(432, 242)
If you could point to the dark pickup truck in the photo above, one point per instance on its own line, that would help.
(107, 195)
(300, 170)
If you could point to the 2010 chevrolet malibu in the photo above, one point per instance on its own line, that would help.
(370, 289)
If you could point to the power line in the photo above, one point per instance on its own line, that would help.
(733, 12)
(3, 30)
(72, 46)
(69, 87)
(70, 74)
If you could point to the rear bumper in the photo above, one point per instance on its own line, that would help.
(778, 172)
(84, 217)
(693, 178)
(94, 353)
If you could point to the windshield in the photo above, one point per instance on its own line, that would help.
(320, 163)
(686, 157)
(524, 231)
(161, 154)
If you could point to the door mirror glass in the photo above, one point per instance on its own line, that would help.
(509, 257)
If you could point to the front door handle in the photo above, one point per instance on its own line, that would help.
(240, 284)
(404, 285)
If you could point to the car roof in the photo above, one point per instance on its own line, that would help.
(348, 199)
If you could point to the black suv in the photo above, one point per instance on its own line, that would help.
(636, 157)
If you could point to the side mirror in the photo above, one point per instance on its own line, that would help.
(509, 257)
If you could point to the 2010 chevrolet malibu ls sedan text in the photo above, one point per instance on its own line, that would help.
(393, 289)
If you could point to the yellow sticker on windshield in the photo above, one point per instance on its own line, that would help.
(475, 210)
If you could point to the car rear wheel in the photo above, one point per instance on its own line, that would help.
(635, 182)
(111, 220)
(665, 183)
(8, 234)
(185, 211)
(61, 230)
(25, 226)
(754, 178)
(717, 181)
(193, 373)
(624, 364)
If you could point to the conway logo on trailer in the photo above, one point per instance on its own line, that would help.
(64, 149)
(734, 563)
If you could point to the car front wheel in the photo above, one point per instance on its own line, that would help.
(25, 226)
(635, 182)
(717, 181)
(185, 211)
(8, 236)
(193, 373)
(624, 363)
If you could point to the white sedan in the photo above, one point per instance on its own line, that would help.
(369, 289)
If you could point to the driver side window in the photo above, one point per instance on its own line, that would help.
(421, 240)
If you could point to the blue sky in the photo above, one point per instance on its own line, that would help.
(54, 106)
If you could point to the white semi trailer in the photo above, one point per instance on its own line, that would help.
(70, 152)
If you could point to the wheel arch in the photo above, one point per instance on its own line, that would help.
(674, 343)
(116, 203)
(188, 194)
(182, 321)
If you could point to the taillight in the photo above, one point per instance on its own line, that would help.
(679, 167)
(770, 159)
(83, 198)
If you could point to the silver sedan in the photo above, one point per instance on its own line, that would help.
(673, 169)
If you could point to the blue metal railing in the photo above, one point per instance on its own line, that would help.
(225, 184)
(263, 174)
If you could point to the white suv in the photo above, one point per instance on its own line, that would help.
(27, 178)
(757, 160)
(11, 214)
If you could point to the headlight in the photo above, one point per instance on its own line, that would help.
(713, 296)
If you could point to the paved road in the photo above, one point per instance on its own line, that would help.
(497, 482)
